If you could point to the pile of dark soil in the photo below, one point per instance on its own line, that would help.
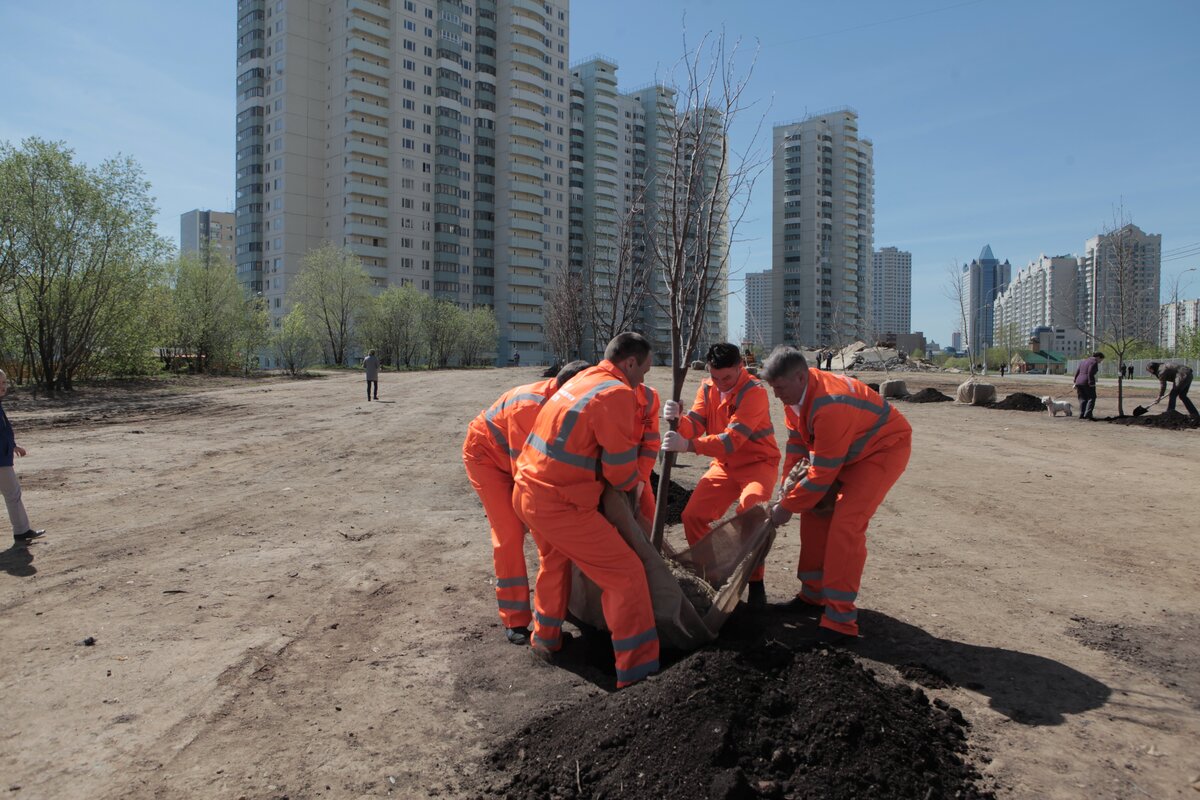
(1168, 420)
(930, 395)
(677, 498)
(1020, 401)
(766, 722)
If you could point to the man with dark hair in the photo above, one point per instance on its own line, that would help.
(1085, 384)
(494, 439)
(730, 421)
(849, 435)
(588, 434)
(1180, 377)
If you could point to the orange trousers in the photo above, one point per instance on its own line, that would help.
(495, 489)
(564, 535)
(749, 485)
(833, 549)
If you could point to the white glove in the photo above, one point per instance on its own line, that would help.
(780, 515)
(673, 442)
(671, 409)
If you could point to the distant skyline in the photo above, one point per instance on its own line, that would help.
(1021, 125)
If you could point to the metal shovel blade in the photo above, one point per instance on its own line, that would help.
(1140, 410)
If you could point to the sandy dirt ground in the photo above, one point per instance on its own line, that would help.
(290, 594)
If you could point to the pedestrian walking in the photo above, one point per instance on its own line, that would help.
(1085, 384)
(10, 487)
(370, 366)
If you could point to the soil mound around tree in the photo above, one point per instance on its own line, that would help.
(1168, 420)
(765, 722)
(930, 395)
(677, 498)
(1020, 401)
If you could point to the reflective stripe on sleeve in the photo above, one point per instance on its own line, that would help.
(560, 454)
(744, 430)
(697, 418)
(508, 583)
(762, 433)
(616, 459)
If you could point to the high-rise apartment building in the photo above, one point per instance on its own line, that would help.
(621, 158)
(983, 279)
(1118, 285)
(823, 222)
(429, 137)
(208, 234)
(1179, 320)
(1043, 294)
(759, 309)
(891, 290)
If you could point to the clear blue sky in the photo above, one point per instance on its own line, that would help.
(1015, 123)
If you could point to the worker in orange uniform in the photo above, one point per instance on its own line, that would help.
(648, 409)
(588, 433)
(494, 440)
(849, 434)
(730, 420)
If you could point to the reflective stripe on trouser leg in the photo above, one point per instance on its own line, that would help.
(10, 487)
(814, 533)
(593, 544)
(757, 482)
(495, 489)
(864, 486)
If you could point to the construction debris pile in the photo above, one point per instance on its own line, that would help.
(768, 721)
(861, 356)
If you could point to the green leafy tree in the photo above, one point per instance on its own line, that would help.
(395, 325)
(78, 253)
(443, 323)
(479, 335)
(335, 292)
(215, 326)
(294, 343)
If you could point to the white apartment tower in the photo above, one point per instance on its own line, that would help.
(892, 291)
(822, 230)
(1118, 285)
(1180, 319)
(208, 234)
(1043, 294)
(759, 309)
(620, 170)
(429, 137)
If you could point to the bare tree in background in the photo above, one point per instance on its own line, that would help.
(617, 275)
(695, 206)
(566, 313)
(956, 291)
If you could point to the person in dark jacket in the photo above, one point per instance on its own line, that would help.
(1085, 384)
(1180, 378)
(10, 487)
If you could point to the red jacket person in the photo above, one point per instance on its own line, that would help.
(589, 433)
(849, 434)
(730, 420)
(494, 440)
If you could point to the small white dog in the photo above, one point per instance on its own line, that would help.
(1054, 406)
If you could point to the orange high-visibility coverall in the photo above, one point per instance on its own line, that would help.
(649, 407)
(589, 428)
(851, 434)
(494, 440)
(736, 430)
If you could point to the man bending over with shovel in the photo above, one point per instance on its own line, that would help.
(851, 435)
(1180, 377)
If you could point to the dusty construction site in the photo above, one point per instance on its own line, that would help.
(289, 594)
